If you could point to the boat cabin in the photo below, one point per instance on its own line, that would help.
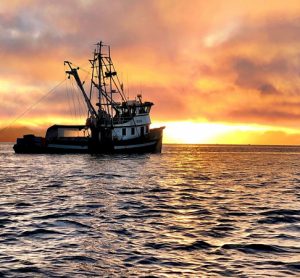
(71, 132)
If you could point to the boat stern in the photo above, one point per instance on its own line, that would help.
(30, 144)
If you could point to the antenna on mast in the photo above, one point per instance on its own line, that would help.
(99, 58)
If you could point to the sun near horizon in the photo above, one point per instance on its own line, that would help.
(187, 132)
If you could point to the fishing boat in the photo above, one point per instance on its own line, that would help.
(114, 123)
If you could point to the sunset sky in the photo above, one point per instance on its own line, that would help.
(217, 71)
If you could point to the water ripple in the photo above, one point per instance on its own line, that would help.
(193, 211)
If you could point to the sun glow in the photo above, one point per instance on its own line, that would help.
(220, 133)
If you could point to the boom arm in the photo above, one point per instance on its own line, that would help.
(73, 71)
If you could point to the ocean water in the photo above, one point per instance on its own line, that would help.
(192, 211)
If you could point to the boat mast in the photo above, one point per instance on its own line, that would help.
(102, 69)
(91, 85)
(110, 79)
(99, 46)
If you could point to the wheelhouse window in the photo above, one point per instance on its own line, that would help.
(142, 130)
(142, 110)
(124, 131)
(147, 129)
(132, 131)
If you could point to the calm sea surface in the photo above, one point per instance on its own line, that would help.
(192, 211)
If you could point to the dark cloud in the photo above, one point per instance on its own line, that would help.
(268, 89)
(256, 74)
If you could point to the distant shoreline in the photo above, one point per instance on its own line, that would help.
(204, 144)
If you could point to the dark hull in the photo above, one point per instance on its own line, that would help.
(152, 143)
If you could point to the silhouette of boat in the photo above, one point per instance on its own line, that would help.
(114, 123)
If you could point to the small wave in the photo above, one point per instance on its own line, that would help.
(280, 216)
(79, 258)
(279, 219)
(178, 228)
(132, 258)
(255, 247)
(4, 221)
(287, 237)
(176, 264)
(200, 177)
(4, 214)
(56, 215)
(124, 216)
(108, 175)
(123, 232)
(149, 260)
(150, 212)
(281, 212)
(217, 234)
(130, 204)
(295, 266)
(8, 236)
(196, 245)
(27, 269)
(67, 222)
(224, 228)
(160, 190)
(185, 187)
(157, 245)
(55, 185)
(90, 206)
(129, 192)
(38, 232)
(237, 213)
(149, 276)
(7, 180)
(22, 204)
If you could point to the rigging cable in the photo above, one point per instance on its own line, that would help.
(83, 104)
(71, 112)
(76, 96)
(78, 104)
(32, 106)
(72, 90)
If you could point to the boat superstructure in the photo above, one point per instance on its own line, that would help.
(114, 123)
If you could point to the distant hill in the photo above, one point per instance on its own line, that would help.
(10, 134)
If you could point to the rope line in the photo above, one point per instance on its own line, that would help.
(31, 106)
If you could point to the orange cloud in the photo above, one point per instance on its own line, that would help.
(235, 62)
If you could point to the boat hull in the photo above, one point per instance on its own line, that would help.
(152, 143)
